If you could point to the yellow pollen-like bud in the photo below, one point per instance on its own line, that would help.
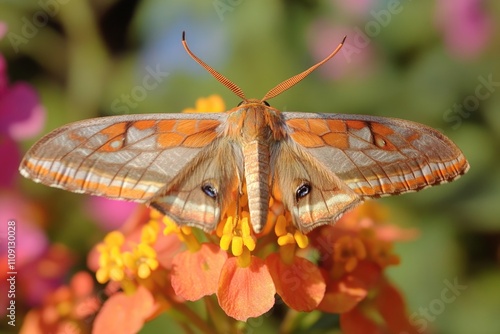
(237, 245)
(249, 242)
(225, 241)
(114, 238)
(102, 275)
(116, 274)
(301, 239)
(280, 226)
(143, 271)
(286, 239)
(186, 229)
(245, 227)
(170, 226)
(228, 226)
(149, 233)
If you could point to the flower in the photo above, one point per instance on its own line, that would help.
(158, 265)
(111, 262)
(353, 263)
(356, 7)
(141, 261)
(41, 267)
(65, 310)
(466, 26)
(109, 214)
(348, 251)
(355, 59)
(125, 313)
(212, 103)
(21, 117)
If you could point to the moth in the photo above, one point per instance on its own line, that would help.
(190, 167)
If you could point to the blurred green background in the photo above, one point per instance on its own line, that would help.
(433, 62)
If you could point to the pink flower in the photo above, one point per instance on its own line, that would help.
(40, 267)
(355, 7)
(107, 213)
(356, 57)
(21, 117)
(465, 25)
(31, 241)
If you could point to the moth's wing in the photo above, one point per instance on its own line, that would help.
(377, 156)
(314, 195)
(132, 157)
(199, 195)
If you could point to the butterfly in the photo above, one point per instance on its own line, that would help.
(191, 167)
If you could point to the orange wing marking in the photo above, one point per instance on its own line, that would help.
(144, 125)
(115, 135)
(189, 133)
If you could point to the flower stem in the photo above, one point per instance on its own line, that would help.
(192, 318)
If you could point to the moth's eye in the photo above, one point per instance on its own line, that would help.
(267, 104)
(302, 191)
(209, 190)
(239, 104)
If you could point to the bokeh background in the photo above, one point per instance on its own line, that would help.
(433, 62)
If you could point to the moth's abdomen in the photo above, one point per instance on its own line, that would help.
(257, 179)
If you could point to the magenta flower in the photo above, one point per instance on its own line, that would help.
(30, 241)
(40, 267)
(21, 117)
(466, 26)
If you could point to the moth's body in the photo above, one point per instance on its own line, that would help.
(256, 127)
(191, 167)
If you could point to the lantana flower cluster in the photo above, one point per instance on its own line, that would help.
(151, 266)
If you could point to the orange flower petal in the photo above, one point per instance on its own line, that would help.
(82, 284)
(355, 322)
(167, 247)
(343, 295)
(300, 284)
(196, 274)
(392, 308)
(368, 272)
(245, 292)
(123, 313)
(32, 323)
